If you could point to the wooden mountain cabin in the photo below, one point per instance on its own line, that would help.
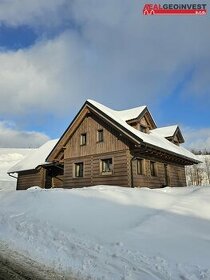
(109, 147)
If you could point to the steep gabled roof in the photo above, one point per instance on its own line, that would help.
(152, 139)
(118, 120)
(169, 131)
(35, 158)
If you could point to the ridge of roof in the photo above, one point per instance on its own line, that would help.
(126, 115)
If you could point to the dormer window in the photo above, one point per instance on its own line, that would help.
(176, 142)
(143, 128)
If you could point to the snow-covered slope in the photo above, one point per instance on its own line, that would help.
(8, 158)
(112, 232)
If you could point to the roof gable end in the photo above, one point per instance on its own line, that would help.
(170, 132)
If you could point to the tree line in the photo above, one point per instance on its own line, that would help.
(199, 174)
(200, 152)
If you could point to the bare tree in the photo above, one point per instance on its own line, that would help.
(194, 175)
(207, 168)
(199, 174)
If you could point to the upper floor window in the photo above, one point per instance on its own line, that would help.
(106, 166)
(176, 142)
(83, 139)
(140, 166)
(100, 135)
(153, 171)
(78, 169)
(143, 128)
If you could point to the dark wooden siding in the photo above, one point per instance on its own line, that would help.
(113, 146)
(176, 174)
(27, 179)
(57, 182)
(37, 177)
(113, 140)
(92, 172)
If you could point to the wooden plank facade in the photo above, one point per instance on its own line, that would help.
(92, 152)
(41, 177)
(30, 178)
(166, 174)
(96, 150)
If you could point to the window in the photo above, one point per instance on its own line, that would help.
(140, 166)
(106, 166)
(78, 169)
(100, 135)
(83, 139)
(152, 168)
(143, 128)
(176, 142)
(166, 173)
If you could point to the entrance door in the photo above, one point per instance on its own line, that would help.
(48, 179)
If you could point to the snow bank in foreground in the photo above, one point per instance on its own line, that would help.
(112, 232)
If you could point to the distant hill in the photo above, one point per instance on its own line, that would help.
(8, 158)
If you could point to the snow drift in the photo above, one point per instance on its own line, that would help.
(112, 232)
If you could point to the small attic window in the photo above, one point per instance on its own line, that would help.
(83, 139)
(100, 135)
(176, 142)
(143, 128)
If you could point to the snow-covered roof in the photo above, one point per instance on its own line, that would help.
(131, 114)
(35, 158)
(153, 138)
(166, 131)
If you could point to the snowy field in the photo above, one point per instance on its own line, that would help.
(8, 158)
(112, 232)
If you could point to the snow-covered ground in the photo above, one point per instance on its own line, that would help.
(8, 158)
(112, 232)
(108, 232)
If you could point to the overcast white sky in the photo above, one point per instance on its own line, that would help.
(55, 54)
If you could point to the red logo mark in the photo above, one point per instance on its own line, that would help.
(175, 9)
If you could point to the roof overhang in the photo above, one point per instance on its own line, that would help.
(188, 161)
